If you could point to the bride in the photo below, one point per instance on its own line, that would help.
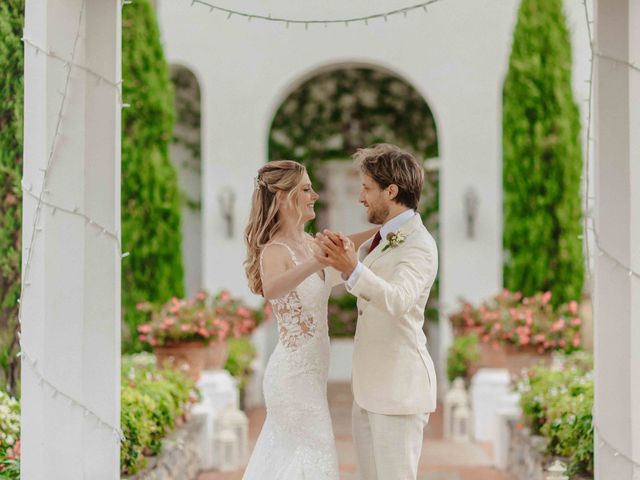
(296, 441)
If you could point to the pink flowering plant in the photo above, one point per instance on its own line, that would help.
(242, 319)
(9, 436)
(525, 322)
(202, 318)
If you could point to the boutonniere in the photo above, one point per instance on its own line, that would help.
(394, 239)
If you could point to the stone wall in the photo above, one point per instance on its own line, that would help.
(527, 459)
(526, 453)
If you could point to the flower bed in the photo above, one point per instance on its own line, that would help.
(524, 322)
(182, 329)
(512, 332)
(9, 437)
(203, 318)
(557, 405)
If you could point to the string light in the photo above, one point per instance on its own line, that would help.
(69, 65)
(307, 22)
(101, 229)
(602, 252)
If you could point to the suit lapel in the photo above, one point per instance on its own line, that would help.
(411, 225)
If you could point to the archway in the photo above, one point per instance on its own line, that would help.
(330, 113)
(186, 155)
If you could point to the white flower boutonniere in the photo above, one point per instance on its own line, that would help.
(394, 239)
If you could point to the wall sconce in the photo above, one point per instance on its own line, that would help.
(471, 201)
(227, 200)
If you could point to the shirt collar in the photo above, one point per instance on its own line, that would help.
(396, 222)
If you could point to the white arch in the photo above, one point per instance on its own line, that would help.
(295, 79)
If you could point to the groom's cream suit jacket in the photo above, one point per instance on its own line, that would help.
(393, 373)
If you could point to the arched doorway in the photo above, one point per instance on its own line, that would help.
(338, 110)
(322, 121)
(185, 152)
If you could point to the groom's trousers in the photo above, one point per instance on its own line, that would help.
(388, 446)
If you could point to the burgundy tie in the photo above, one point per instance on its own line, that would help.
(375, 243)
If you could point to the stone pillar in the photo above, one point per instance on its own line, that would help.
(71, 261)
(617, 222)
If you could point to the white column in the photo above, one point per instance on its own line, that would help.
(617, 210)
(71, 298)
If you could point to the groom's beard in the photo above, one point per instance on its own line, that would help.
(378, 214)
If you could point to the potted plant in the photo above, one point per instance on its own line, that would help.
(516, 332)
(181, 330)
(240, 321)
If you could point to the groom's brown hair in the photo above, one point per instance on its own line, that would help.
(387, 165)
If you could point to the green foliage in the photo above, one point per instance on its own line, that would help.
(343, 316)
(11, 119)
(542, 158)
(152, 400)
(462, 353)
(333, 114)
(241, 354)
(558, 405)
(150, 195)
(137, 427)
(9, 468)
(9, 437)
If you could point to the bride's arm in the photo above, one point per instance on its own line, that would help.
(280, 275)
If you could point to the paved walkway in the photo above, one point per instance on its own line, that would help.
(440, 459)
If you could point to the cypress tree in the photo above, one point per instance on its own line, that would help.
(150, 193)
(542, 158)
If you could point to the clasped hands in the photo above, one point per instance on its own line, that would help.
(336, 250)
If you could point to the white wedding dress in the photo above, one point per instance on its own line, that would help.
(297, 441)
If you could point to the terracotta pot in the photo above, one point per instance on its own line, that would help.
(511, 357)
(191, 354)
(216, 355)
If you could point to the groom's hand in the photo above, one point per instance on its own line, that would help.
(339, 251)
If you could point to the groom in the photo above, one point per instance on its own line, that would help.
(394, 382)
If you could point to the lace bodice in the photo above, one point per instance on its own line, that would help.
(299, 311)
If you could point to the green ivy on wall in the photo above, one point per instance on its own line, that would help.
(334, 113)
(11, 118)
(542, 158)
(150, 195)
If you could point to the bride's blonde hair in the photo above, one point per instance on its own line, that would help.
(264, 221)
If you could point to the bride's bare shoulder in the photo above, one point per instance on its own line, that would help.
(275, 257)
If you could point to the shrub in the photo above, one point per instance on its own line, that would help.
(152, 400)
(151, 203)
(542, 158)
(462, 353)
(558, 405)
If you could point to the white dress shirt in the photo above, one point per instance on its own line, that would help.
(391, 226)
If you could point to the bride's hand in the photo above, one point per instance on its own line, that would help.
(338, 251)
